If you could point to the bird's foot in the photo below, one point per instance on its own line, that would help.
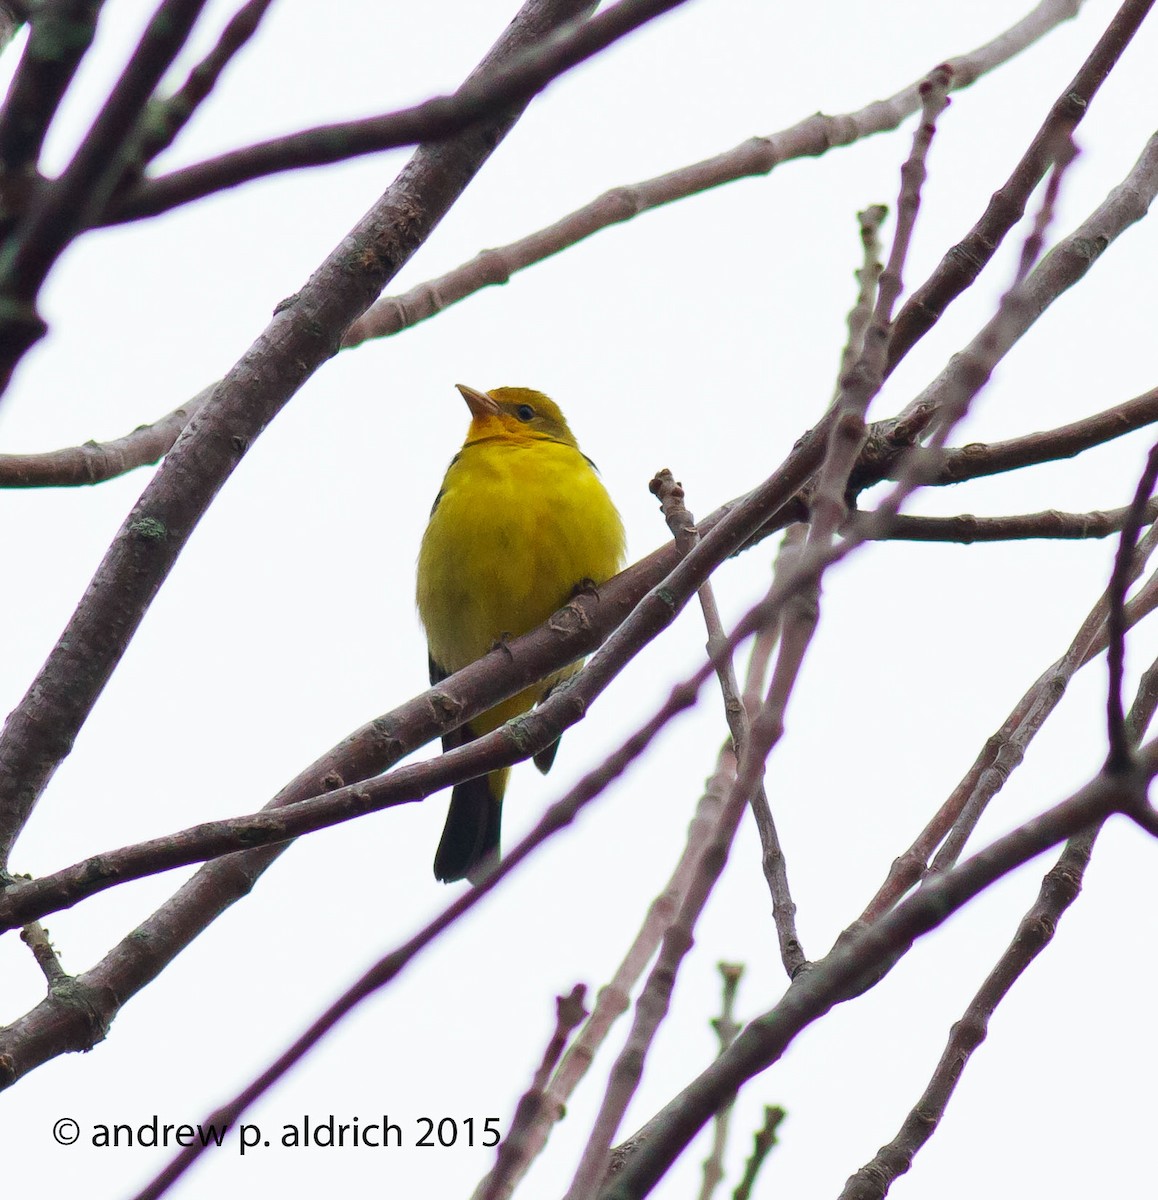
(585, 587)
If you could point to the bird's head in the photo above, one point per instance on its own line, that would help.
(515, 412)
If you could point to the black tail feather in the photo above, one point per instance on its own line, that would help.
(545, 758)
(470, 838)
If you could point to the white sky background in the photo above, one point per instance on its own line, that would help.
(704, 337)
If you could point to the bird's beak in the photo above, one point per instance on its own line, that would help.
(479, 403)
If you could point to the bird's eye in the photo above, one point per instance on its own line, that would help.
(525, 412)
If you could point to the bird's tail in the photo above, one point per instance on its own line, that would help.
(470, 838)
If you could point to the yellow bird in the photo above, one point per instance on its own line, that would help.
(521, 521)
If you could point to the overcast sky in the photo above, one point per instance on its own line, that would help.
(704, 337)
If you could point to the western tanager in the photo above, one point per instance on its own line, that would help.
(520, 522)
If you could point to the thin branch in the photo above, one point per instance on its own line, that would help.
(679, 519)
(35, 937)
(49, 1029)
(763, 1143)
(811, 137)
(281, 822)
(651, 1009)
(614, 998)
(1119, 741)
(61, 33)
(482, 98)
(168, 117)
(772, 860)
(1059, 889)
(967, 528)
(1067, 441)
(1065, 264)
(569, 1014)
(964, 262)
(843, 971)
(1001, 755)
(302, 335)
(726, 1030)
(66, 204)
(868, 277)
(96, 462)
(90, 988)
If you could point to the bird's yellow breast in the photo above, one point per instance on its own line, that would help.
(518, 523)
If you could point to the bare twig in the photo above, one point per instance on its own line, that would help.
(304, 334)
(569, 1014)
(967, 528)
(1002, 753)
(867, 277)
(35, 937)
(482, 98)
(976, 460)
(815, 135)
(726, 1030)
(944, 403)
(1119, 741)
(671, 496)
(772, 860)
(614, 998)
(169, 116)
(964, 262)
(62, 31)
(843, 971)
(652, 1007)
(65, 206)
(94, 462)
(1059, 889)
(763, 1142)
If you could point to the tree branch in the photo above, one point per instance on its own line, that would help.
(679, 519)
(967, 528)
(965, 261)
(65, 205)
(169, 116)
(517, 82)
(1067, 441)
(302, 335)
(999, 757)
(62, 31)
(1117, 734)
(1065, 264)
(811, 137)
(512, 1150)
(1059, 889)
(94, 994)
(614, 998)
(95, 462)
(841, 973)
